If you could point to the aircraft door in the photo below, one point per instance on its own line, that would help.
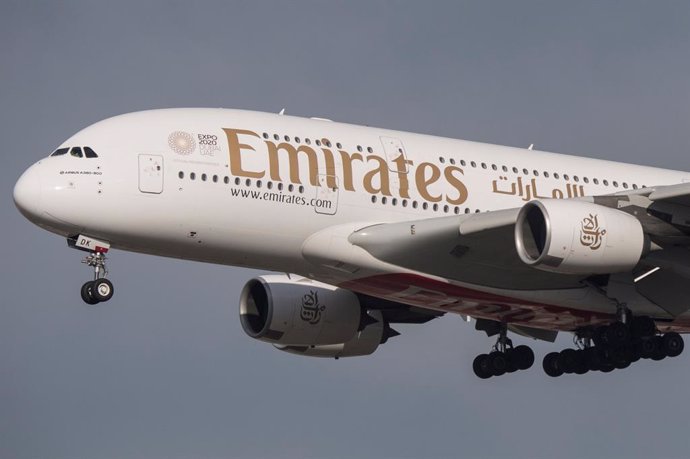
(397, 163)
(326, 201)
(151, 174)
(394, 149)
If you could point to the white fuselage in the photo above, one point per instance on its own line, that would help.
(248, 189)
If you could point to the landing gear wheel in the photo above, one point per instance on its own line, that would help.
(102, 289)
(523, 357)
(617, 333)
(511, 357)
(551, 365)
(482, 367)
(659, 353)
(87, 293)
(592, 358)
(568, 360)
(647, 347)
(673, 344)
(642, 327)
(581, 366)
(499, 363)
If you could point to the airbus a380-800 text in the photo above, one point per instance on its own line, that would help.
(377, 227)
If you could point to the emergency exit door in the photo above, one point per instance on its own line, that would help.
(151, 174)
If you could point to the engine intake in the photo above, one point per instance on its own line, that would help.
(298, 311)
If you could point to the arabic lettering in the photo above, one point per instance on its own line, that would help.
(591, 235)
(311, 309)
(529, 191)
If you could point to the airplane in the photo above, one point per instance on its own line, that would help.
(375, 227)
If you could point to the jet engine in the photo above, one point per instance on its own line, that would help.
(577, 237)
(364, 342)
(295, 311)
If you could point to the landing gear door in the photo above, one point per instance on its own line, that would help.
(151, 174)
(326, 201)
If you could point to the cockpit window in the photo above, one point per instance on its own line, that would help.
(59, 151)
(76, 152)
(89, 153)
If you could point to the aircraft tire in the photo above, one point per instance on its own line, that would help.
(481, 366)
(524, 357)
(102, 289)
(551, 364)
(499, 363)
(87, 293)
(673, 344)
(617, 333)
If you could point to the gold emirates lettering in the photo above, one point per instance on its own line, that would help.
(376, 180)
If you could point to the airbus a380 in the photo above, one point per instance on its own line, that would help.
(375, 227)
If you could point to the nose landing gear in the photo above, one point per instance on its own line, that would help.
(99, 289)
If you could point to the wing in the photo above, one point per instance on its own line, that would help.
(475, 248)
(662, 276)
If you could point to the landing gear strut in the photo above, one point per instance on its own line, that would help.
(99, 289)
(614, 346)
(504, 358)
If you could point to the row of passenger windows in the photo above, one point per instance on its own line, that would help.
(290, 188)
(319, 142)
(545, 174)
(425, 205)
(77, 152)
(248, 182)
(462, 162)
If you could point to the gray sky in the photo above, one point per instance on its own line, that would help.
(164, 369)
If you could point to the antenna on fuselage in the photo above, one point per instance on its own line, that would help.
(531, 146)
(282, 112)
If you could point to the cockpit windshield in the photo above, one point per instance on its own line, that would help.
(76, 152)
(60, 151)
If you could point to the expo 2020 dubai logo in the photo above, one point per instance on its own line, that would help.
(181, 142)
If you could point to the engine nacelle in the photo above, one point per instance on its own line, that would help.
(297, 311)
(577, 237)
(363, 343)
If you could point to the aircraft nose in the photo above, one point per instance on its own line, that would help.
(27, 193)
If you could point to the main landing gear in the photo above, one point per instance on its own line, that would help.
(614, 346)
(504, 358)
(99, 289)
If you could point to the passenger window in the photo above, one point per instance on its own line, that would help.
(89, 153)
(59, 152)
(76, 152)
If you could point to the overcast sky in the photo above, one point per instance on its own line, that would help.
(164, 369)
